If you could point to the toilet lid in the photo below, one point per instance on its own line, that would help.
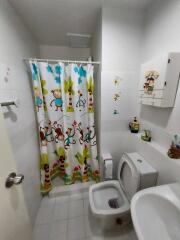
(129, 176)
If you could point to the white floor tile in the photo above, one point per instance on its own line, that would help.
(61, 199)
(70, 218)
(95, 238)
(60, 210)
(76, 229)
(77, 196)
(86, 195)
(59, 230)
(92, 226)
(41, 232)
(45, 214)
(46, 201)
(86, 207)
(125, 233)
(76, 208)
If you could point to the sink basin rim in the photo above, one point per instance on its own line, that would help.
(163, 191)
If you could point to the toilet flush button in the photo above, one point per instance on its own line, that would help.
(139, 160)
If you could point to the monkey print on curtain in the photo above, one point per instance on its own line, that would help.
(63, 97)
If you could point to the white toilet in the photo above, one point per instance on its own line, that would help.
(110, 200)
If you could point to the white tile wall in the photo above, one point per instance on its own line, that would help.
(121, 48)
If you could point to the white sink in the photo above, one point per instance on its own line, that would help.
(156, 213)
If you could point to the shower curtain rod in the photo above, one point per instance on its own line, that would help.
(59, 60)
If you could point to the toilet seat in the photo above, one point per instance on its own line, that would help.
(101, 193)
(128, 176)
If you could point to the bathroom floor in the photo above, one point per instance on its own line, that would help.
(69, 218)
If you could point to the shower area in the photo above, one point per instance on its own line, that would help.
(63, 92)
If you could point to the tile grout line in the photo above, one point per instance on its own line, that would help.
(52, 220)
(68, 218)
(84, 216)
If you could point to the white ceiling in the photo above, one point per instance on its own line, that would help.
(51, 20)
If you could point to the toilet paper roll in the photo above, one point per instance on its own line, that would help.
(108, 169)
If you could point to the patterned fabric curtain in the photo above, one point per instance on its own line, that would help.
(65, 112)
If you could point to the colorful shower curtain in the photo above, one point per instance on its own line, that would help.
(65, 112)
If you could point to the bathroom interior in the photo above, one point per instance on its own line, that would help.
(89, 122)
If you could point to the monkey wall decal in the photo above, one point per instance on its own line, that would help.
(58, 129)
(151, 77)
(81, 101)
(38, 100)
(57, 99)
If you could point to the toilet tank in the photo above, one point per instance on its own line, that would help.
(148, 175)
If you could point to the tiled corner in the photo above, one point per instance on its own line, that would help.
(45, 213)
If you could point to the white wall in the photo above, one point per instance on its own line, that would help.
(128, 39)
(96, 50)
(62, 52)
(17, 42)
(162, 35)
(121, 47)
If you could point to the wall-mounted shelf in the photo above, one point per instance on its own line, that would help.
(155, 145)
